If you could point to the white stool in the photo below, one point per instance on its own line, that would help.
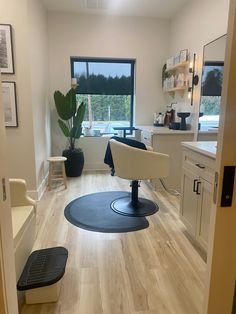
(58, 176)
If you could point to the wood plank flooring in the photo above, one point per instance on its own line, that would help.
(152, 271)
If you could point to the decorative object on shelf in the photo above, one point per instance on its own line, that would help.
(183, 55)
(9, 103)
(174, 76)
(183, 116)
(165, 74)
(71, 117)
(169, 62)
(195, 78)
(6, 51)
(177, 58)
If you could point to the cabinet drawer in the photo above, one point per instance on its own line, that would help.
(147, 138)
(201, 165)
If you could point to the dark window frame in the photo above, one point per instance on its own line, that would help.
(111, 60)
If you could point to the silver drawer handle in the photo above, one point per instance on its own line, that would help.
(200, 166)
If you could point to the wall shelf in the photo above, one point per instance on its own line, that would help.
(180, 89)
(177, 66)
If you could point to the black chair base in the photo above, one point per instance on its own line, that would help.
(144, 207)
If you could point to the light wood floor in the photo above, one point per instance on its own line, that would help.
(153, 271)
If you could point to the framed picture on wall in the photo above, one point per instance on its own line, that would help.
(6, 51)
(9, 103)
(183, 55)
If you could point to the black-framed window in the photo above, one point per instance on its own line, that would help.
(106, 85)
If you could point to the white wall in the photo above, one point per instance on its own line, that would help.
(38, 44)
(195, 25)
(144, 39)
(27, 144)
(20, 142)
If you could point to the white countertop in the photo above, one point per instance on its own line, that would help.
(207, 148)
(161, 130)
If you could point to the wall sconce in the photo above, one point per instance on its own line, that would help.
(195, 79)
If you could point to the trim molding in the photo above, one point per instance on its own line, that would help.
(37, 194)
(95, 166)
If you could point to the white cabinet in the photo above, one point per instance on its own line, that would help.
(197, 194)
(204, 212)
(166, 141)
(189, 201)
(147, 138)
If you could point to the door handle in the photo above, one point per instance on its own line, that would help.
(198, 185)
(215, 187)
(4, 193)
(200, 166)
(195, 185)
(227, 186)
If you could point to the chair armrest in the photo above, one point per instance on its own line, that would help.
(18, 193)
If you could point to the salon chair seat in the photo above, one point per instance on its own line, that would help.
(136, 164)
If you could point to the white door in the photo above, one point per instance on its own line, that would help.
(8, 298)
(221, 264)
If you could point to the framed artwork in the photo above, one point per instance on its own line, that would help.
(183, 55)
(6, 51)
(9, 103)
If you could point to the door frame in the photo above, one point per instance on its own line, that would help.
(8, 294)
(221, 263)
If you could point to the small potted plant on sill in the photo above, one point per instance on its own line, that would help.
(71, 118)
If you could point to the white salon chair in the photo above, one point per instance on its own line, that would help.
(136, 164)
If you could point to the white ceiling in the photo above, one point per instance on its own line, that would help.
(151, 8)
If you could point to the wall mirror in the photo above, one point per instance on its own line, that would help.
(211, 84)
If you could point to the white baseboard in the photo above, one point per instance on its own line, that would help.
(37, 194)
(95, 166)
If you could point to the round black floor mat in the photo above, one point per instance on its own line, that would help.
(93, 212)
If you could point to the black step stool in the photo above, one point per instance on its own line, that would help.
(41, 276)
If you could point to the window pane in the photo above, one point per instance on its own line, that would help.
(108, 86)
(108, 78)
(107, 110)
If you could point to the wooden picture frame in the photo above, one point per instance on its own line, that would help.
(9, 103)
(6, 50)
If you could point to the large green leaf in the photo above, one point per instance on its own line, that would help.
(75, 132)
(64, 128)
(79, 117)
(65, 105)
(71, 101)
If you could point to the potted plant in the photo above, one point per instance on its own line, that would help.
(71, 118)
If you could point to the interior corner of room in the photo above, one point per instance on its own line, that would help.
(169, 71)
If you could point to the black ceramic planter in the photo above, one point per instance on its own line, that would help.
(74, 163)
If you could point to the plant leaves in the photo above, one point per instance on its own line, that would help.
(64, 128)
(65, 105)
(75, 132)
(79, 117)
(71, 101)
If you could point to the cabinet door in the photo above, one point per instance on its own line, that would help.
(146, 138)
(204, 212)
(189, 201)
